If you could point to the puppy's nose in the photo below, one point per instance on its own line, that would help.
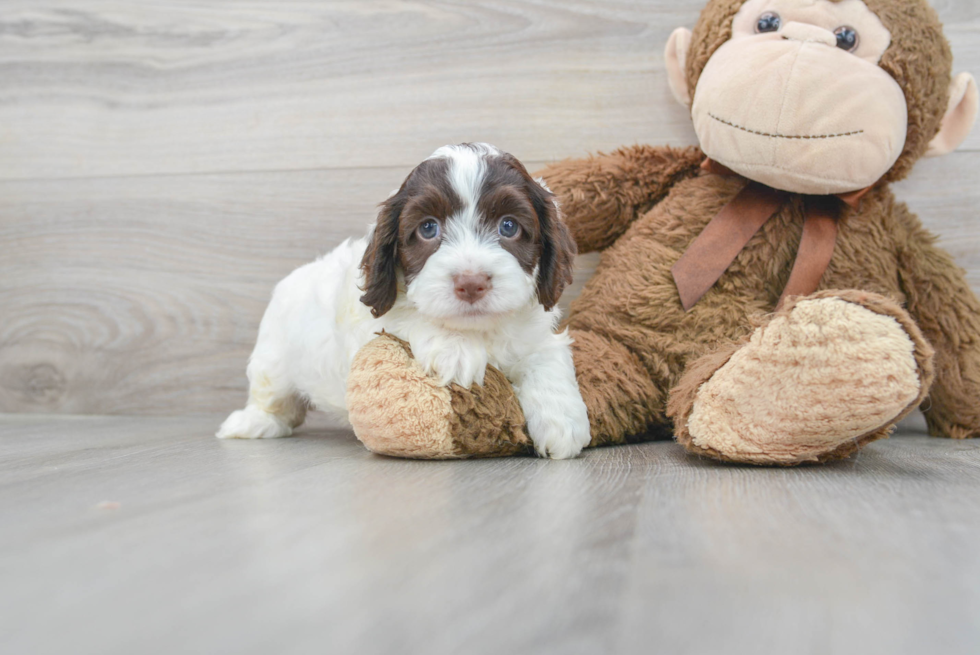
(471, 286)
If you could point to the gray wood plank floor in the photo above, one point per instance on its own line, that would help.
(313, 545)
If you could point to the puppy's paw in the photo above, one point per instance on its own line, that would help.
(253, 423)
(558, 426)
(455, 361)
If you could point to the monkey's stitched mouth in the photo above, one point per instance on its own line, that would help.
(784, 136)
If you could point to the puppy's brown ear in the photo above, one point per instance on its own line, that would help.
(557, 262)
(380, 262)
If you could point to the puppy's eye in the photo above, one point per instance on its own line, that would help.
(429, 229)
(847, 38)
(768, 22)
(508, 228)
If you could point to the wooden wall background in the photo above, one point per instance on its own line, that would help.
(163, 164)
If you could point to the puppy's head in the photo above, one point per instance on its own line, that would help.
(473, 236)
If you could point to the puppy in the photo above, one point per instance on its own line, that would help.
(466, 263)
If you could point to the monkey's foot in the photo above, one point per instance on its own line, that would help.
(398, 410)
(826, 375)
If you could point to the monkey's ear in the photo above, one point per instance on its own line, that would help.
(964, 102)
(675, 57)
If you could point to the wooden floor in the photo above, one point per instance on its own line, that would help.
(123, 535)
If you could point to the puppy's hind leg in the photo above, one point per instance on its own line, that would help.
(273, 408)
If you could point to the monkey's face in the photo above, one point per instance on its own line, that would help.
(796, 98)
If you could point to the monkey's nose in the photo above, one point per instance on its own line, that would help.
(470, 287)
(808, 33)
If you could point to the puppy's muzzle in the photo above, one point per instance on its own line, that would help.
(470, 287)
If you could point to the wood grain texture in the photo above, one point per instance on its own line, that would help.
(314, 545)
(291, 84)
(146, 296)
(100, 88)
(164, 164)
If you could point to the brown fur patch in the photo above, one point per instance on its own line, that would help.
(425, 194)
(948, 313)
(502, 200)
(617, 390)
(380, 264)
(430, 197)
(488, 420)
(603, 194)
(556, 248)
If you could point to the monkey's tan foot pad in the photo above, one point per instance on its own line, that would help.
(826, 375)
(398, 410)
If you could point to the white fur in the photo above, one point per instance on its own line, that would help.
(316, 323)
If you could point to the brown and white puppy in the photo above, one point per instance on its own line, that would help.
(466, 263)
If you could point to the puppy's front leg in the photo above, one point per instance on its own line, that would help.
(451, 358)
(557, 420)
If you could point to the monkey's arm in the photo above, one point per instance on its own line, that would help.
(948, 313)
(601, 195)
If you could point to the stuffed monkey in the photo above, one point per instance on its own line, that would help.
(763, 298)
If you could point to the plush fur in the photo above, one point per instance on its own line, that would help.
(872, 360)
(429, 420)
(893, 324)
(919, 59)
(466, 263)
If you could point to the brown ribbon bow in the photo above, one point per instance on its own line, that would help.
(714, 250)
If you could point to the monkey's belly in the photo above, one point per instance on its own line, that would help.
(633, 299)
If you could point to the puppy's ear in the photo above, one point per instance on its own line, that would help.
(380, 262)
(557, 262)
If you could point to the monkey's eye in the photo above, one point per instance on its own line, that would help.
(768, 22)
(847, 38)
(508, 228)
(429, 229)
